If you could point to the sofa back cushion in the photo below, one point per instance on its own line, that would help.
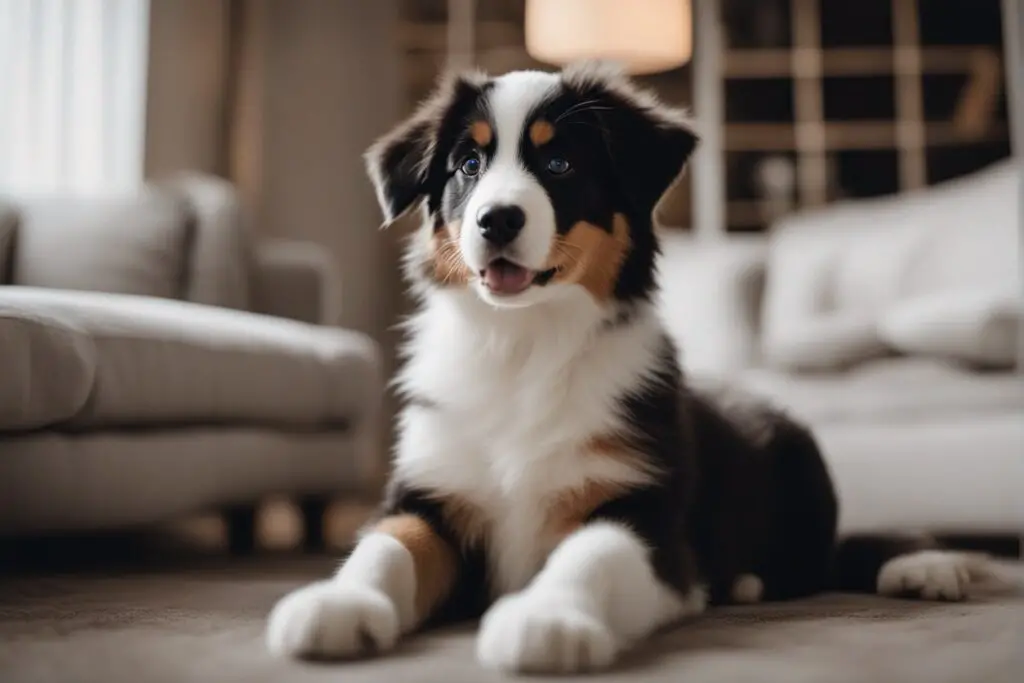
(219, 259)
(858, 259)
(126, 244)
(181, 237)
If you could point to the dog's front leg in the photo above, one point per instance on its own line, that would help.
(398, 573)
(597, 594)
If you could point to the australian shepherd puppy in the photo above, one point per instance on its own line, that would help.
(554, 472)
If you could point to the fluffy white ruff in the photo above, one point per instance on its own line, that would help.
(519, 393)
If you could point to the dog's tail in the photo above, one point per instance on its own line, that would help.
(916, 565)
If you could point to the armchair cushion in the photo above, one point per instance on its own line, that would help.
(160, 362)
(47, 368)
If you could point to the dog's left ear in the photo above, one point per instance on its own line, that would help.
(648, 141)
(408, 163)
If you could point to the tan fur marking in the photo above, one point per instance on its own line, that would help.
(466, 521)
(569, 509)
(591, 257)
(449, 268)
(481, 133)
(434, 560)
(541, 133)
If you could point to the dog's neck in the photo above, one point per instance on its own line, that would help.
(562, 327)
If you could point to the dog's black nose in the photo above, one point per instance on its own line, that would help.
(500, 224)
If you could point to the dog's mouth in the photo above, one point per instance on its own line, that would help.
(507, 278)
(504, 277)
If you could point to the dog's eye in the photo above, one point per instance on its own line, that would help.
(470, 165)
(558, 166)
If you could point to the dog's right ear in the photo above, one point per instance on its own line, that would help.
(409, 163)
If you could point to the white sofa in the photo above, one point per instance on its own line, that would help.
(893, 326)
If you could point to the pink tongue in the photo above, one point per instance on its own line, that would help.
(506, 278)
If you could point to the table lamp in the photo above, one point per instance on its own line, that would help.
(643, 36)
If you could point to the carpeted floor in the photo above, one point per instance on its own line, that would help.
(119, 611)
(205, 624)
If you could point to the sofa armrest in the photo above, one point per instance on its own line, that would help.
(297, 280)
(711, 300)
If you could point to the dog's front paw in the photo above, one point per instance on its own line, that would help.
(533, 632)
(332, 620)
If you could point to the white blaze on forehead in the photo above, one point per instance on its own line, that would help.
(505, 180)
(511, 100)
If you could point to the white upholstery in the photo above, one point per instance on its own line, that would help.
(890, 390)
(871, 325)
(853, 260)
(979, 327)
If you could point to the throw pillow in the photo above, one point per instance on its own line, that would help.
(979, 327)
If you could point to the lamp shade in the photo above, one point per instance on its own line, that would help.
(644, 36)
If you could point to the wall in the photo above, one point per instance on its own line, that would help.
(186, 96)
(283, 97)
(331, 87)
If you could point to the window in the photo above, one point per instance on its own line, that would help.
(72, 94)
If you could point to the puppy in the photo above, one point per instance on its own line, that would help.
(553, 471)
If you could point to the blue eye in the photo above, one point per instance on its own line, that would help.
(558, 166)
(471, 166)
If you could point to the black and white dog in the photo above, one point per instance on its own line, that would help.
(554, 473)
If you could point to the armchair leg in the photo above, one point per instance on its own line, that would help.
(313, 510)
(241, 523)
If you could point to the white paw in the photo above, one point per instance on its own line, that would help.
(929, 574)
(332, 620)
(543, 633)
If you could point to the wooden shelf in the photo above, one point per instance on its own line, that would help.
(859, 135)
(868, 61)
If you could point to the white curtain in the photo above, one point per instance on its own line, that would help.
(72, 94)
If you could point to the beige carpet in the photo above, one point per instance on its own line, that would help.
(202, 620)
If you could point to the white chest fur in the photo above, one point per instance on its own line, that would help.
(518, 394)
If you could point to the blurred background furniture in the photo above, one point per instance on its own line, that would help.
(155, 361)
(893, 326)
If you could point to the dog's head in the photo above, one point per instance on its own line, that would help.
(533, 183)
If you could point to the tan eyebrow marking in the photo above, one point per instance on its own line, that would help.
(481, 133)
(541, 133)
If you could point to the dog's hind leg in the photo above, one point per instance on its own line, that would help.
(909, 565)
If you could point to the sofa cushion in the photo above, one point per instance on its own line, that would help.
(978, 327)
(130, 244)
(889, 390)
(47, 368)
(162, 362)
(859, 257)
